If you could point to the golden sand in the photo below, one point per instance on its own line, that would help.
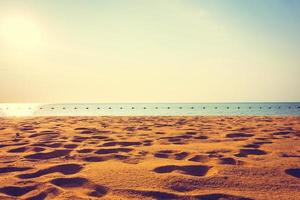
(150, 158)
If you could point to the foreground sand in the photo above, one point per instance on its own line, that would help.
(150, 158)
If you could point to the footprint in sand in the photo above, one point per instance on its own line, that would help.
(85, 150)
(113, 150)
(147, 142)
(87, 130)
(195, 135)
(69, 182)
(281, 133)
(79, 139)
(13, 145)
(229, 161)
(193, 170)
(38, 149)
(13, 169)
(167, 195)
(201, 137)
(70, 146)
(239, 135)
(219, 196)
(99, 137)
(98, 191)
(16, 191)
(200, 158)
(246, 152)
(163, 154)
(108, 144)
(49, 155)
(252, 145)
(257, 144)
(114, 154)
(48, 134)
(74, 182)
(42, 195)
(191, 133)
(95, 158)
(18, 150)
(171, 154)
(217, 153)
(181, 155)
(295, 172)
(289, 155)
(48, 144)
(26, 128)
(66, 169)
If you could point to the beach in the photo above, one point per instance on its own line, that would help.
(158, 157)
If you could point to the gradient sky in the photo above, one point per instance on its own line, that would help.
(149, 51)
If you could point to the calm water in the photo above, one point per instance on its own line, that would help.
(156, 109)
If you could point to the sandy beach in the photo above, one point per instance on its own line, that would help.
(150, 158)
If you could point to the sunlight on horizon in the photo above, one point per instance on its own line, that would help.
(19, 109)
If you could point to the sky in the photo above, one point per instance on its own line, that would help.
(109, 51)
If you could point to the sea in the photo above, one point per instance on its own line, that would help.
(150, 109)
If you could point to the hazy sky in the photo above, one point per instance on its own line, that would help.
(149, 51)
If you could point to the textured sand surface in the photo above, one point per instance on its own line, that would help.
(150, 158)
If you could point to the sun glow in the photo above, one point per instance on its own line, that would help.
(17, 31)
(19, 109)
